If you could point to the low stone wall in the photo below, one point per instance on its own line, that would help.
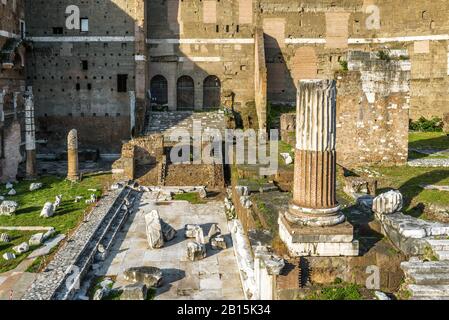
(73, 260)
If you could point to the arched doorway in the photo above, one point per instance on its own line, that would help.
(211, 93)
(159, 90)
(185, 93)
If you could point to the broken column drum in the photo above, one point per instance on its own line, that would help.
(314, 191)
(72, 156)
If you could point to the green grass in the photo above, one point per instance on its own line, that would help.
(192, 197)
(40, 262)
(67, 217)
(68, 214)
(428, 140)
(17, 237)
(274, 113)
(338, 291)
(409, 180)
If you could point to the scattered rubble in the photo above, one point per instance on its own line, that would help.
(35, 186)
(287, 158)
(9, 256)
(48, 210)
(155, 235)
(8, 208)
(388, 203)
(21, 248)
(4, 237)
(150, 276)
(135, 291)
(36, 239)
(196, 251)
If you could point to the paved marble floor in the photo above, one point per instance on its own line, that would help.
(215, 277)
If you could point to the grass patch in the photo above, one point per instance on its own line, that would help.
(274, 113)
(409, 181)
(68, 214)
(192, 197)
(428, 140)
(40, 262)
(338, 291)
(17, 237)
(67, 217)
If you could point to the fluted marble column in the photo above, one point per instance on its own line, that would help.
(314, 191)
(72, 156)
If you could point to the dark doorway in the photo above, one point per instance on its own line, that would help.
(186, 93)
(159, 90)
(211, 93)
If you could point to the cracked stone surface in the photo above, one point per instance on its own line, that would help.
(215, 277)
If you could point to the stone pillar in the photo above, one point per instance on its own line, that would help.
(2, 114)
(132, 108)
(72, 156)
(30, 135)
(141, 65)
(313, 225)
(314, 189)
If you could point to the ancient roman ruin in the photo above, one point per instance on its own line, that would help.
(237, 149)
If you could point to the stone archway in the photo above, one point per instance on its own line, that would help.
(185, 93)
(159, 90)
(211, 93)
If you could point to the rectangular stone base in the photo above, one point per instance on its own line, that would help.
(333, 241)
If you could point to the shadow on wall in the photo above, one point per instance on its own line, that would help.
(279, 84)
(279, 81)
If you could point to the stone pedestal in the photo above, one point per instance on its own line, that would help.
(313, 225)
(72, 156)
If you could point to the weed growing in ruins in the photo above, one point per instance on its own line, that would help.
(338, 291)
(192, 197)
(383, 55)
(424, 125)
(344, 66)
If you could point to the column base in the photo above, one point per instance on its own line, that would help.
(314, 217)
(325, 241)
(73, 178)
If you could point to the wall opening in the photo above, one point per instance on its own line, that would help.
(159, 90)
(122, 83)
(211, 93)
(185, 93)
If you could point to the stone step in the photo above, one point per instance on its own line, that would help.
(442, 255)
(425, 267)
(430, 298)
(430, 278)
(429, 290)
(439, 244)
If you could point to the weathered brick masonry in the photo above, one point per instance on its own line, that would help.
(196, 54)
(12, 86)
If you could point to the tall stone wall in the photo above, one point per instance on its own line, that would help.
(310, 39)
(373, 111)
(200, 39)
(12, 86)
(75, 74)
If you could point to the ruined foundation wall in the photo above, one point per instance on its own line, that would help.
(373, 111)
